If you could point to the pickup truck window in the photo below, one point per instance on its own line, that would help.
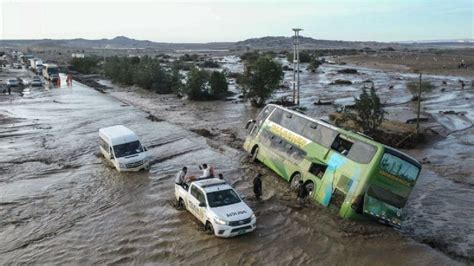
(222, 198)
(197, 194)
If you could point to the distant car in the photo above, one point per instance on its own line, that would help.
(12, 83)
(21, 82)
(36, 82)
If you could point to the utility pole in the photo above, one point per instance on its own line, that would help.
(419, 108)
(296, 66)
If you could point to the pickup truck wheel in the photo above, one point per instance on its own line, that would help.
(209, 228)
(180, 205)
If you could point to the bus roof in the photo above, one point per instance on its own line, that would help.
(117, 135)
(355, 135)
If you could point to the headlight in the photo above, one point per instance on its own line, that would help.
(219, 221)
(253, 216)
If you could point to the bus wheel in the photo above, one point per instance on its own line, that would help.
(254, 154)
(310, 187)
(295, 181)
(209, 228)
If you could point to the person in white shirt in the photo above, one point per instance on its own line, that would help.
(180, 178)
(205, 171)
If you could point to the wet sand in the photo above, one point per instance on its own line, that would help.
(60, 203)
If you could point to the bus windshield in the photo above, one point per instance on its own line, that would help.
(52, 70)
(222, 198)
(399, 167)
(127, 149)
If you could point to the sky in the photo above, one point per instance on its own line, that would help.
(215, 21)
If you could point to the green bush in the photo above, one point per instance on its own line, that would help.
(370, 110)
(219, 88)
(86, 65)
(414, 86)
(197, 85)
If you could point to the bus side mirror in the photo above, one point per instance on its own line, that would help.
(251, 121)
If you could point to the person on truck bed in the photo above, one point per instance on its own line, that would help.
(207, 171)
(181, 178)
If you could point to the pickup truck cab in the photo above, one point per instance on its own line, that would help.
(217, 206)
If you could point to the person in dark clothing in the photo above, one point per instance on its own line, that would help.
(257, 186)
(302, 193)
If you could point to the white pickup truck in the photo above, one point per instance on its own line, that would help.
(218, 206)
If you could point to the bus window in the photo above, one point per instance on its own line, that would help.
(341, 145)
(309, 131)
(317, 169)
(277, 116)
(264, 114)
(362, 152)
(325, 136)
(401, 168)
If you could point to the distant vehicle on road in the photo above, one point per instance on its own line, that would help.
(36, 82)
(217, 206)
(122, 148)
(12, 82)
(51, 72)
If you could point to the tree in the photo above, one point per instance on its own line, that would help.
(175, 81)
(219, 88)
(86, 65)
(414, 86)
(305, 57)
(261, 79)
(370, 110)
(196, 86)
(314, 64)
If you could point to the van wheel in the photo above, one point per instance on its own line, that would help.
(209, 228)
(310, 187)
(295, 181)
(254, 154)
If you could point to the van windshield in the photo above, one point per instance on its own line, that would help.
(222, 198)
(127, 149)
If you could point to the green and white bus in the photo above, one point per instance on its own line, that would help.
(343, 170)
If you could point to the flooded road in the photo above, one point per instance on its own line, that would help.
(59, 202)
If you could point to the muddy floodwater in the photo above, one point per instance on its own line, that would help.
(60, 203)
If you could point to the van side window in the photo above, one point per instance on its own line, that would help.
(103, 144)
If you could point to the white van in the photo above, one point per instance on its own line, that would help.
(122, 148)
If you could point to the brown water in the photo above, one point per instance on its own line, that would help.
(59, 202)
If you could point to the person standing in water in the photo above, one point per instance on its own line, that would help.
(302, 193)
(257, 186)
